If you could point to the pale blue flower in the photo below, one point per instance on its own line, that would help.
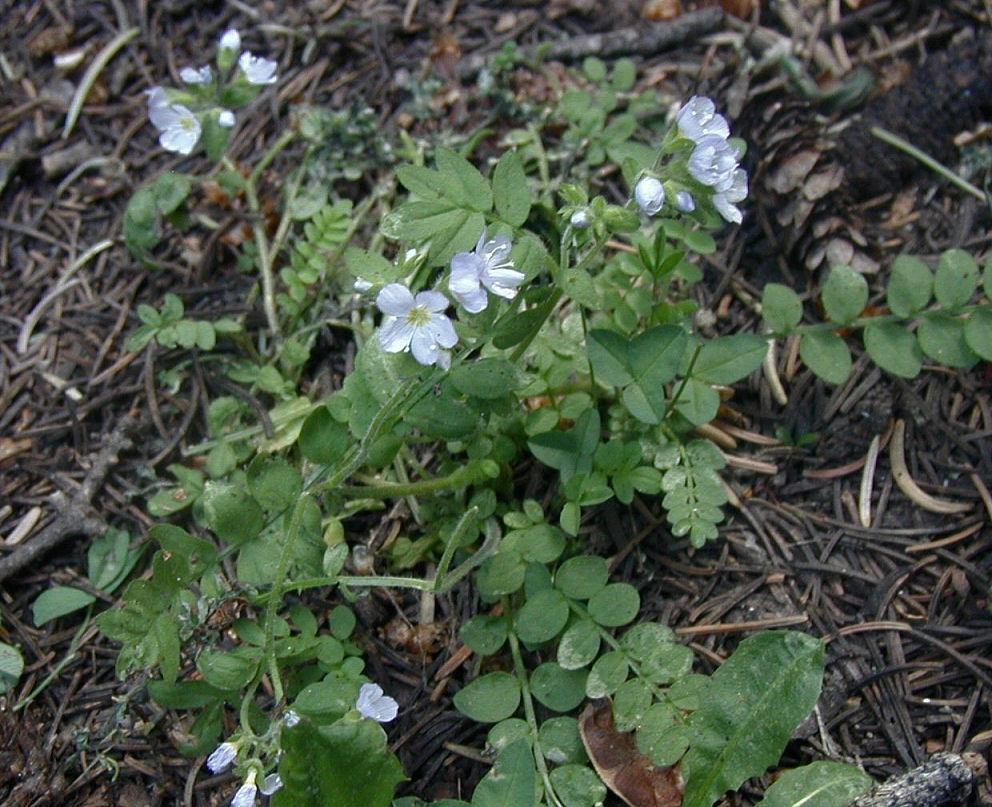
(487, 267)
(373, 704)
(649, 194)
(226, 118)
(257, 69)
(271, 784)
(230, 40)
(713, 162)
(685, 202)
(245, 797)
(725, 201)
(579, 219)
(417, 324)
(179, 127)
(698, 118)
(222, 757)
(198, 76)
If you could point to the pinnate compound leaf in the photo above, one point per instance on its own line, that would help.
(346, 764)
(748, 711)
(942, 338)
(894, 349)
(489, 699)
(956, 278)
(827, 355)
(511, 781)
(845, 294)
(910, 286)
(819, 784)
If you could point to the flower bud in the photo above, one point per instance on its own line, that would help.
(579, 219)
(226, 118)
(685, 202)
(650, 194)
(230, 48)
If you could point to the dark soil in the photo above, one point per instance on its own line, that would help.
(902, 603)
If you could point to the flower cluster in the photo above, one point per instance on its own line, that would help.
(713, 163)
(418, 323)
(172, 112)
(372, 703)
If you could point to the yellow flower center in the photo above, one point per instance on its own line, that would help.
(418, 316)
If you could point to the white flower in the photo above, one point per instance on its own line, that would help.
(372, 703)
(291, 718)
(230, 40)
(698, 118)
(685, 202)
(257, 70)
(245, 797)
(272, 783)
(226, 118)
(417, 324)
(488, 265)
(650, 194)
(362, 285)
(725, 201)
(222, 757)
(579, 219)
(179, 127)
(192, 75)
(713, 162)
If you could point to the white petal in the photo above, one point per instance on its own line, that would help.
(222, 757)
(442, 331)
(395, 335)
(271, 784)
(465, 270)
(372, 703)
(729, 211)
(474, 300)
(503, 282)
(426, 350)
(394, 299)
(698, 118)
(231, 39)
(196, 75)
(245, 797)
(257, 69)
(179, 139)
(433, 301)
(226, 118)
(497, 251)
(444, 359)
(163, 115)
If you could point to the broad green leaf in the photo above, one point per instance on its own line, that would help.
(170, 191)
(698, 402)
(749, 710)
(978, 333)
(329, 698)
(819, 784)
(579, 645)
(578, 786)
(490, 698)
(542, 617)
(484, 633)
(183, 694)
(910, 286)
(582, 576)
(956, 278)
(11, 667)
(845, 294)
(827, 355)
(557, 688)
(57, 602)
(609, 356)
(508, 731)
(630, 703)
(560, 740)
(463, 182)
(577, 284)
(274, 483)
(614, 605)
(369, 266)
(420, 181)
(486, 378)
(511, 194)
(230, 512)
(501, 574)
(195, 551)
(346, 764)
(893, 348)
(323, 439)
(166, 630)
(661, 736)
(511, 781)
(781, 308)
(730, 358)
(229, 670)
(656, 354)
(539, 543)
(607, 674)
(110, 559)
(942, 338)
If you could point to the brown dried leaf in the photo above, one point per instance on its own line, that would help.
(622, 767)
(821, 183)
(659, 10)
(741, 9)
(793, 171)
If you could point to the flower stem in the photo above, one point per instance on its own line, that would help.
(470, 474)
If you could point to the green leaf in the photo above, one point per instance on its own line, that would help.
(511, 781)
(170, 191)
(956, 278)
(942, 338)
(557, 688)
(819, 784)
(490, 698)
(698, 402)
(578, 786)
(781, 308)
(910, 286)
(730, 358)
(749, 710)
(607, 674)
(978, 333)
(501, 574)
(661, 736)
(323, 439)
(582, 576)
(230, 670)
(57, 602)
(274, 483)
(893, 348)
(486, 378)
(166, 631)
(484, 634)
(369, 266)
(110, 559)
(346, 764)
(631, 703)
(511, 194)
(615, 605)
(845, 294)
(609, 356)
(560, 740)
(184, 694)
(463, 181)
(579, 645)
(542, 617)
(175, 540)
(11, 667)
(230, 512)
(827, 355)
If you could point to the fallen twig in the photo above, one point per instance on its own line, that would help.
(941, 779)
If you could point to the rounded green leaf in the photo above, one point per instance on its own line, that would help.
(607, 674)
(630, 703)
(560, 740)
(827, 355)
(615, 605)
(542, 617)
(582, 576)
(910, 286)
(845, 294)
(557, 688)
(661, 736)
(781, 308)
(322, 439)
(230, 512)
(484, 633)
(274, 483)
(956, 278)
(489, 699)
(59, 601)
(978, 333)
(819, 784)
(501, 574)
(894, 349)
(942, 338)
(508, 731)
(579, 645)
(730, 358)
(578, 786)
(485, 378)
(11, 667)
